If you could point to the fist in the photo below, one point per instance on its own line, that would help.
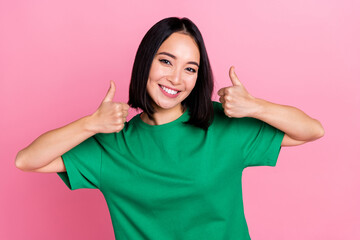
(110, 116)
(235, 99)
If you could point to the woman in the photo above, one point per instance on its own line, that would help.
(174, 171)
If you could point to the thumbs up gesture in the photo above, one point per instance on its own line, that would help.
(110, 116)
(236, 100)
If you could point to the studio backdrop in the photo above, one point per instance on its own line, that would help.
(56, 62)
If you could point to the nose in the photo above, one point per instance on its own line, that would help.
(175, 77)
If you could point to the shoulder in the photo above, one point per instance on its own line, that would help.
(217, 105)
(116, 136)
(218, 111)
(129, 124)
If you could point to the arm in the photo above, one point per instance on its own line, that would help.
(40, 154)
(52, 144)
(297, 126)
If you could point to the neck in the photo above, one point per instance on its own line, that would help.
(162, 116)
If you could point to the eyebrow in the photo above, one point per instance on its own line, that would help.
(172, 56)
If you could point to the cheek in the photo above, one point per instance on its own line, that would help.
(191, 81)
(151, 86)
(148, 85)
(156, 73)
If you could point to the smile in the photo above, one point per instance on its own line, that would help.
(170, 91)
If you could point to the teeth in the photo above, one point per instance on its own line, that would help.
(169, 90)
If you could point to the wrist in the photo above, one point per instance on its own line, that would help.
(259, 108)
(88, 126)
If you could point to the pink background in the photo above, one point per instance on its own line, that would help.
(56, 62)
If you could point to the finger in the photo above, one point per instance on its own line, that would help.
(234, 79)
(221, 92)
(125, 106)
(120, 114)
(221, 99)
(111, 92)
(227, 113)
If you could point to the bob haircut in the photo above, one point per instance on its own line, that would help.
(199, 101)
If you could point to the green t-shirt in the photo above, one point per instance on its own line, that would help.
(174, 181)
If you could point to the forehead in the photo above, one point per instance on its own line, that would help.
(182, 46)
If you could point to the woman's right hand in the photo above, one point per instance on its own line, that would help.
(44, 153)
(110, 116)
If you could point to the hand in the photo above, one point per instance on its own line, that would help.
(236, 100)
(110, 116)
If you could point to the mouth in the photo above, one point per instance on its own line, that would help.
(169, 91)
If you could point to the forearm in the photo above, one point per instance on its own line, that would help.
(292, 121)
(53, 144)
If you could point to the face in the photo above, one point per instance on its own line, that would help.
(173, 72)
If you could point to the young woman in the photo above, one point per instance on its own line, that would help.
(174, 171)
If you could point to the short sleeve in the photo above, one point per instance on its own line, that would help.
(83, 165)
(263, 144)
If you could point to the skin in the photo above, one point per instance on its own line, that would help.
(298, 127)
(44, 153)
(174, 72)
(178, 71)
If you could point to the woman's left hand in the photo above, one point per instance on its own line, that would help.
(297, 125)
(236, 100)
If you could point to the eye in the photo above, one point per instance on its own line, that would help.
(165, 61)
(191, 70)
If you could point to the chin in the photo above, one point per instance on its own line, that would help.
(167, 106)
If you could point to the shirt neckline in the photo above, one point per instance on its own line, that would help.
(183, 118)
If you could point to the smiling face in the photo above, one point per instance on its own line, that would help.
(173, 72)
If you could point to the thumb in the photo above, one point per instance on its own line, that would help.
(234, 79)
(111, 92)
